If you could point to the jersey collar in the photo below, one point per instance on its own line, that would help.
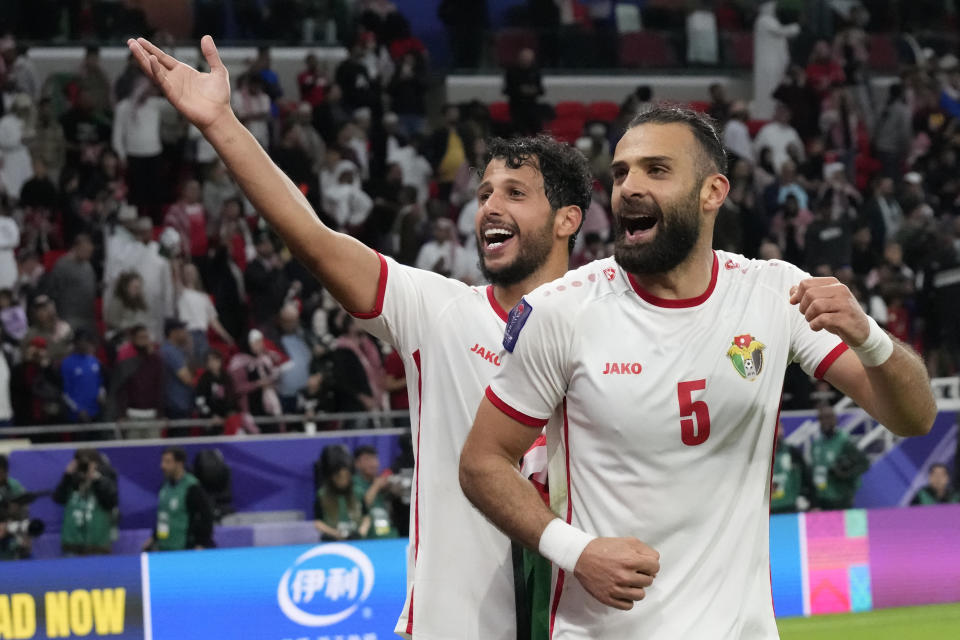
(681, 303)
(496, 305)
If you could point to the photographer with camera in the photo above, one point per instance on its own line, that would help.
(377, 491)
(837, 464)
(88, 492)
(13, 545)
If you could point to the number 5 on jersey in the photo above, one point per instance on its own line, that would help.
(694, 414)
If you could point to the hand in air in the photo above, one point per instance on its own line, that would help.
(201, 97)
(827, 303)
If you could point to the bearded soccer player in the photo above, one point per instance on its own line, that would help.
(660, 372)
(532, 194)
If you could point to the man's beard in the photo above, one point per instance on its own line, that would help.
(531, 255)
(678, 230)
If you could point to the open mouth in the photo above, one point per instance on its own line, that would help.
(636, 227)
(495, 238)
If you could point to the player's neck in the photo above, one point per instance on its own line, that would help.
(687, 280)
(555, 266)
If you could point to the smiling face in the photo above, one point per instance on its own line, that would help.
(657, 177)
(514, 223)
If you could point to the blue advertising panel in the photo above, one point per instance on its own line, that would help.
(786, 567)
(350, 591)
(75, 597)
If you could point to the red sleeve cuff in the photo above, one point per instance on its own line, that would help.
(381, 291)
(522, 418)
(829, 360)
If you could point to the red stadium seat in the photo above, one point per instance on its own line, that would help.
(566, 129)
(509, 42)
(753, 126)
(499, 111)
(603, 111)
(883, 52)
(699, 105)
(646, 49)
(570, 109)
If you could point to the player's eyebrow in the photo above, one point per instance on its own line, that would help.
(643, 160)
(508, 182)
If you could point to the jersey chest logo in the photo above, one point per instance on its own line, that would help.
(746, 354)
(486, 354)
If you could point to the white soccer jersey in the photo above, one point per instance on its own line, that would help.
(665, 411)
(459, 568)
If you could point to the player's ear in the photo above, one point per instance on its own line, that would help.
(714, 191)
(567, 220)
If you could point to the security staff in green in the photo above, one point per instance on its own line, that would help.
(338, 514)
(837, 464)
(788, 487)
(184, 511)
(938, 489)
(88, 492)
(373, 488)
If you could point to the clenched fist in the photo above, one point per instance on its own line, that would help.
(616, 571)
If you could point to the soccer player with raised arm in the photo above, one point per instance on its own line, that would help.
(533, 194)
(659, 372)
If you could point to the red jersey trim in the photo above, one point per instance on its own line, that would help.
(416, 464)
(680, 303)
(496, 305)
(381, 292)
(829, 360)
(522, 418)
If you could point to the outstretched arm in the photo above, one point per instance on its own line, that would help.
(345, 266)
(895, 391)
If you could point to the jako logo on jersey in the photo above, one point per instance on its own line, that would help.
(325, 585)
(486, 354)
(515, 321)
(610, 272)
(622, 368)
(746, 354)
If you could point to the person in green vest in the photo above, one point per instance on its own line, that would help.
(338, 513)
(88, 492)
(789, 481)
(10, 489)
(938, 489)
(184, 510)
(375, 490)
(836, 462)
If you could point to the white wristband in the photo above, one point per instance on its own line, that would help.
(562, 544)
(876, 349)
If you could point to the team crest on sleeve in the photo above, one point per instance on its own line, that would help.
(515, 321)
(746, 354)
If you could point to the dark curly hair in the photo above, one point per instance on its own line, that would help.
(703, 127)
(566, 175)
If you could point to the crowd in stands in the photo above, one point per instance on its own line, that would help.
(137, 282)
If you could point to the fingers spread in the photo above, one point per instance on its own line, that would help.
(141, 56)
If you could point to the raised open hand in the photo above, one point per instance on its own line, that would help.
(202, 98)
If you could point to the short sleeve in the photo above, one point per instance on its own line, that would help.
(533, 378)
(813, 350)
(407, 300)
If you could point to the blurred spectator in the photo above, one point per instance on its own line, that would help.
(375, 490)
(894, 131)
(447, 149)
(86, 129)
(938, 489)
(354, 79)
(189, 218)
(127, 307)
(93, 81)
(803, 101)
(331, 114)
(344, 199)
(407, 89)
(823, 69)
(828, 240)
(771, 55)
(136, 382)
(21, 72)
(48, 143)
(36, 387)
(593, 249)
(252, 106)
(10, 489)
(883, 212)
(357, 375)
(312, 81)
(178, 380)
(125, 83)
(16, 128)
(466, 23)
(184, 510)
(218, 187)
(290, 154)
(736, 135)
(836, 462)
(261, 67)
(523, 86)
(702, 37)
(445, 256)
(9, 241)
(254, 377)
(720, 104)
(778, 136)
(39, 192)
(72, 284)
(196, 310)
(46, 324)
(291, 337)
(789, 490)
(233, 234)
(88, 493)
(395, 383)
(224, 278)
(136, 139)
(83, 382)
(338, 514)
(267, 284)
(215, 396)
